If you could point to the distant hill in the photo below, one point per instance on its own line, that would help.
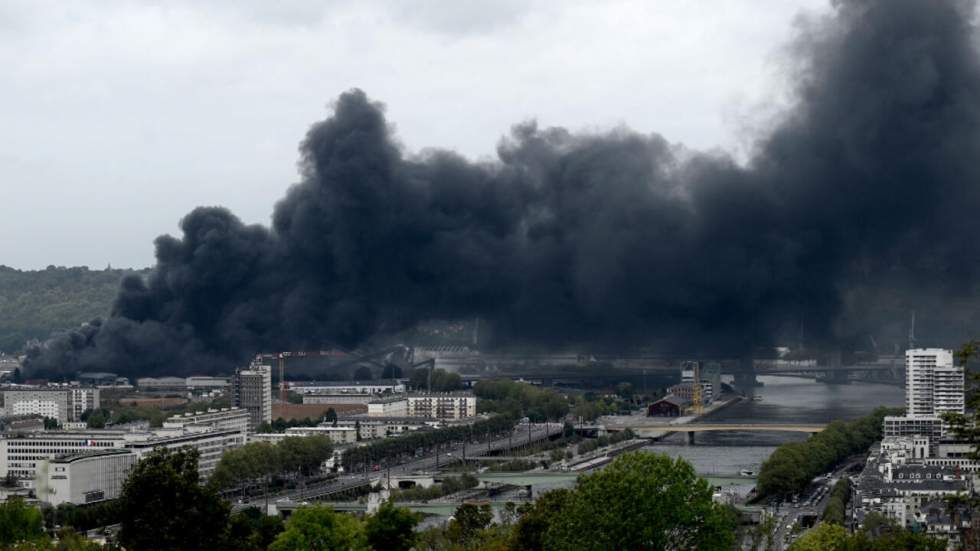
(35, 304)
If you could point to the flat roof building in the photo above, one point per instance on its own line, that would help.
(442, 405)
(84, 478)
(61, 403)
(251, 390)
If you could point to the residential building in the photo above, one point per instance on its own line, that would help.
(933, 384)
(443, 405)
(61, 403)
(388, 407)
(217, 419)
(337, 435)
(211, 444)
(251, 390)
(338, 399)
(84, 478)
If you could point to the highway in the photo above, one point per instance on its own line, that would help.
(521, 435)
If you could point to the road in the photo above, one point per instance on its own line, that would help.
(521, 435)
(789, 514)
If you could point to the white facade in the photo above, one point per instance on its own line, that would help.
(85, 478)
(210, 444)
(218, 419)
(391, 407)
(337, 435)
(447, 405)
(251, 390)
(64, 404)
(21, 454)
(933, 384)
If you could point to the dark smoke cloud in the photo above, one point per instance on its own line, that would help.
(593, 239)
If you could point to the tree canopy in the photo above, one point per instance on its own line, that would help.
(163, 507)
(640, 501)
(319, 528)
(36, 304)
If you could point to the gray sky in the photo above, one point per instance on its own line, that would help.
(117, 118)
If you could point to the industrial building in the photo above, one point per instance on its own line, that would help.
(251, 390)
(669, 406)
(327, 387)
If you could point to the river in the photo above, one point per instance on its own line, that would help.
(780, 400)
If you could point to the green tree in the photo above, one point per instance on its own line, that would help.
(95, 419)
(20, 522)
(331, 416)
(163, 507)
(537, 519)
(468, 521)
(319, 528)
(642, 501)
(252, 530)
(392, 528)
(442, 381)
(824, 537)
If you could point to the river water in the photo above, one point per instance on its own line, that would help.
(722, 455)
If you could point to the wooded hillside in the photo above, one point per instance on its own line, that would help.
(36, 303)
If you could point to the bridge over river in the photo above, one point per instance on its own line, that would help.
(657, 431)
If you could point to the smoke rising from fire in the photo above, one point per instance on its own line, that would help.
(592, 239)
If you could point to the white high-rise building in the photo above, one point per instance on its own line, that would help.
(933, 385)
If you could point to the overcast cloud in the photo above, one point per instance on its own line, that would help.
(120, 117)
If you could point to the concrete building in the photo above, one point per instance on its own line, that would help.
(337, 435)
(388, 407)
(217, 419)
(62, 403)
(442, 405)
(84, 478)
(900, 425)
(328, 387)
(933, 384)
(251, 390)
(206, 384)
(20, 454)
(339, 399)
(161, 384)
(209, 443)
(898, 480)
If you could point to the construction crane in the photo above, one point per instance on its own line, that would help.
(697, 400)
(351, 358)
(280, 359)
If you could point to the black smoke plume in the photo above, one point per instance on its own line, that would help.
(868, 184)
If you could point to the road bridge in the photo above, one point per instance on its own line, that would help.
(660, 430)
